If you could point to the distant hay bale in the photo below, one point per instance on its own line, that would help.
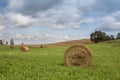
(11, 46)
(25, 48)
(78, 55)
(42, 46)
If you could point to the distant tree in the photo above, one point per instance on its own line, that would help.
(22, 43)
(108, 38)
(11, 43)
(92, 37)
(98, 36)
(1, 42)
(118, 36)
(112, 37)
(6, 43)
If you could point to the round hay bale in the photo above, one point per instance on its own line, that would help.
(25, 48)
(78, 55)
(43, 46)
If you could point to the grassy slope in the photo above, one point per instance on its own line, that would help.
(47, 64)
(66, 43)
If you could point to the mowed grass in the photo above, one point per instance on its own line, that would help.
(48, 64)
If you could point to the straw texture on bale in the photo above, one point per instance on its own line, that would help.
(78, 55)
(25, 48)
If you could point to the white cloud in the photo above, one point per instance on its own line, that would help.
(15, 4)
(65, 15)
(0, 36)
(18, 20)
(83, 3)
(106, 6)
(35, 38)
(54, 13)
(58, 15)
(58, 27)
(2, 27)
(109, 23)
(32, 7)
(1, 22)
(116, 14)
(61, 17)
(87, 20)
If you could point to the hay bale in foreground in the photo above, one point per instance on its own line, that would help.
(25, 48)
(78, 55)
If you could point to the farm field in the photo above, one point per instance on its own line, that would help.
(48, 63)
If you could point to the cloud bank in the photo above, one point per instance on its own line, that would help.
(35, 38)
(58, 15)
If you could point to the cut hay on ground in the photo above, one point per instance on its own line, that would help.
(78, 55)
(25, 48)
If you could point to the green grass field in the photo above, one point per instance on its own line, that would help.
(48, 64)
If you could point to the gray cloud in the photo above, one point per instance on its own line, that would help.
(34, 38)
(32, 7)
(66, 15)
(109, 23)
(45, 12)
(39, 5)
(1, 22)
(58, 15)
(49, 14)
(19, 20)
(99, 5)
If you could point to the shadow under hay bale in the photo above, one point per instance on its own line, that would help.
(78, 55)
(25, 48)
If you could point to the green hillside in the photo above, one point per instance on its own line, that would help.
(48, 63)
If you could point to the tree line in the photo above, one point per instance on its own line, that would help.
(11, 42)
(99, 36)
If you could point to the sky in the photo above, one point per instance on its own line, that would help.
(50, 21)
